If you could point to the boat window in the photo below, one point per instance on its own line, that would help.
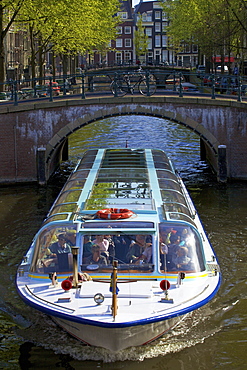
(68, 207)
(164, 174)
(176, 207)
(180, 249)
(169, 184)
(88, 159)
(52, 251)
(79, 175)
(57, 217)
(134, 253)
(172, 196)
(74, 184)
(69, 196)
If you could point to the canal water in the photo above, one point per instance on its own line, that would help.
(215, 336)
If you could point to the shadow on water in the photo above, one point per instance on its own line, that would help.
(31, 340)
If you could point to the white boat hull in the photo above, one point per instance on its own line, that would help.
(117, 339)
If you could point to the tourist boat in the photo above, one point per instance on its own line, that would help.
(122, 256)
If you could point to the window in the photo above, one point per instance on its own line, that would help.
(123, 15)
(148, 31)
(164, 25)
(157, 27)
(147, 17)
(157, 14)
(127, 43)
(194, 48)
(127, 30)
(119, 30)
(187, 48)
(119, 43)
(127, 56)
(164, 41)
(164, 16)
(157, 41)
(118, 58)
(150, 45)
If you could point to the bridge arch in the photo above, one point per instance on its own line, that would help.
(57, 146)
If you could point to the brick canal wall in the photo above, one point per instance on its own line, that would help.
(33, 136)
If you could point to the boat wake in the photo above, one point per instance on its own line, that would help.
(195, 328)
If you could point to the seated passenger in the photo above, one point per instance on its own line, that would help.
(181, 259)
(103, 243)
(71, 237)
(87, 246)
(122, 243)
(61, 250)
(111, 247)
(96, 257)
(172, 249)
(136, 248)
(60, 246)
(146, 255)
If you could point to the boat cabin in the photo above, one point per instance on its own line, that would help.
(128, 205)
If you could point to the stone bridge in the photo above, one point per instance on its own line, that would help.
(33, 135)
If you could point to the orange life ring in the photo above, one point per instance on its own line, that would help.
(114, 213)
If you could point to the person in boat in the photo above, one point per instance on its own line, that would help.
(60, 246)
(111, 248)
(61, 251)
(181, 259)
(146, 255)
(122, 243)
(96, 257)
(71, 237)
(103, 243)
(172, 249)
(136, 248)
(87, 246)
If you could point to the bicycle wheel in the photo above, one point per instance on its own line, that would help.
(119, 87)
(144, 87)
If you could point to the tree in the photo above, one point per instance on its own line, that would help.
(8, 13)
(140, 38)
(211, 25)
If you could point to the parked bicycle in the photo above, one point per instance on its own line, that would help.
(126, 83)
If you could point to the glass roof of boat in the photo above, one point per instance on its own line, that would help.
(120, 178)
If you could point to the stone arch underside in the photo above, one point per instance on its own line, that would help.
(55, 145)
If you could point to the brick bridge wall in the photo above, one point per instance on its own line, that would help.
(32, 130)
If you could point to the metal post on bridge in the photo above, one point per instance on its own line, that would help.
(180, 85)
(239, 89)
(115, 84)
(83, 86)
(15, 96)
(213, 87)
(147, 80)
(50, 89)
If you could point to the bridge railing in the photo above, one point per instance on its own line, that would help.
(104, 82)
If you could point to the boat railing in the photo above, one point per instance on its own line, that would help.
(48, 302)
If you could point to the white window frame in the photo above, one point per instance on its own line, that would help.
(164, 41)
(157, 41)
(127, 43)
(119, 30)
(148, 31)
(119, 43)
(157, 27)
(127, 30)
(157, 14)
